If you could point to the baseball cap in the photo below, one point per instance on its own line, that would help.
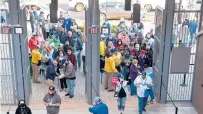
(52, 88)
(97, 99)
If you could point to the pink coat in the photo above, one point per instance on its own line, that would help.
(125, 40)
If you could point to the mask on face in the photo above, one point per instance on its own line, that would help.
(119, 42)
(61, 54)
(69, 52)
(110, 37)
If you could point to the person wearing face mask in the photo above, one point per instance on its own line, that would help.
(119, 45)
(121, 93)
(133, 75)
(52, 101)
(51, 73)
(67, 23)
(60, 70)
(133, 51)
(23, 108)
(143, 83)
(66, 46)
(72, 57)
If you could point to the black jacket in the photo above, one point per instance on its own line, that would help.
(24, 110)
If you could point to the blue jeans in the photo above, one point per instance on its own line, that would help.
(79, 58)
(71, 86)
(151, 94)
(142, 102)
(132, 88)
(121, 103)
(191, 38)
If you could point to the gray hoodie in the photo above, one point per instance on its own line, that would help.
(69, 71)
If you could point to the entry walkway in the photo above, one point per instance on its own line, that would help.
(79, 101)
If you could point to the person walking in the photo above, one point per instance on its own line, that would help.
(133, 75)
(70, 78)
(110, 69)
(99, 107)
(121, 93)
(36, 62)
(143, 82)
(52, 101)
(149, 72)
(51, 73)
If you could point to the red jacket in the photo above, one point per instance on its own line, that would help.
(72, 58)
(33, 42)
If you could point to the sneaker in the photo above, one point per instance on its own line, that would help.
(67, 94)
(151, 102)
(144, 110)
(71, 96)
(38, 82)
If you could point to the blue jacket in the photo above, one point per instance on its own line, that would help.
(193, 25)
(100, 108)
(63, 38)
(51, 73)
(67, 23)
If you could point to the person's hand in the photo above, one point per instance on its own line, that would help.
(94, 103)
(47, 104)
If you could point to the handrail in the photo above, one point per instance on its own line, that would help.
(176, 108)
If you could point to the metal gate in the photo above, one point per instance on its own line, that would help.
(158, 48)
(8, 85)
(14, 55)
(177, 84)
(185, 27)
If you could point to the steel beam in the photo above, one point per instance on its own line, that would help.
(169, 8)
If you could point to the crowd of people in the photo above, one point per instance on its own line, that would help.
(55, 50)
(125, 58)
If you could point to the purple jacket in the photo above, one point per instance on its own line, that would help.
(133, 72)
